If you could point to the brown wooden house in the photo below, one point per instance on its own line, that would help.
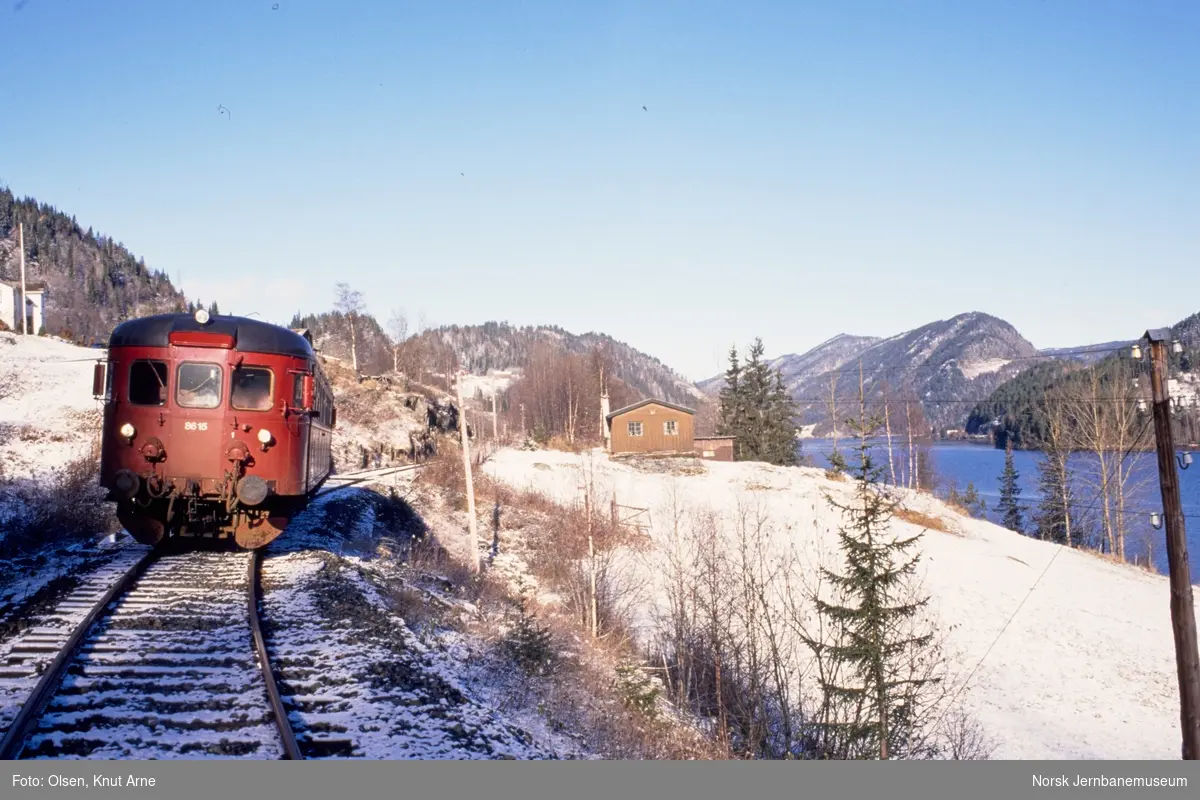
(651, 426)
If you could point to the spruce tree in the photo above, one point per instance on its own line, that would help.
(757, 410)
(873, 692)
(1053, 516)
(731, 402)
(973, 502)
(1010, 494)
(756, 393)
(784, 446)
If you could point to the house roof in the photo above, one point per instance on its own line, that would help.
(647, 402)
(30, 286)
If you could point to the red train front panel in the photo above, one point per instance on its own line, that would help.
(202, 439)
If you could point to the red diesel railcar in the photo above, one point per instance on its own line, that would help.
(213, 427)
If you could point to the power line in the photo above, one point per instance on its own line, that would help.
(1046, 569)
(976, 401)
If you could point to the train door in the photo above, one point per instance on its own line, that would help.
(300, 426)
(199, 440)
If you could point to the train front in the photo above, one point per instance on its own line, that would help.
(206, 427)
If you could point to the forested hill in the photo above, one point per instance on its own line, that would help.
(92, 282)
(1017, 409)
(331, 336)
(498, 345)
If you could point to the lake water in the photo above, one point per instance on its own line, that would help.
(983, 465)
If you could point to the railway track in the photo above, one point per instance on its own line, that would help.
(159, 655)
(344, 480)
(168, 661)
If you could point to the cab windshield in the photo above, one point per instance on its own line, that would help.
(198, 385)
(252, 389)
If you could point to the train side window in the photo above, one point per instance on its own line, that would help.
(298, 390)
(198, 385)
(253, 389)
(147, 383)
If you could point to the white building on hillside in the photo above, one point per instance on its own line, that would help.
(33, 303)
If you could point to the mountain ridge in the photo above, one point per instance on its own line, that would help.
(948, 361)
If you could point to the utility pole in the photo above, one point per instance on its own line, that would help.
(1183, 617)
(493, 414)
(473, 533)
(24, 302)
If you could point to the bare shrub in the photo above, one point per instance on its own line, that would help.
(66, 506)
(959, 737)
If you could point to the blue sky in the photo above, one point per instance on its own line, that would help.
(801, 169)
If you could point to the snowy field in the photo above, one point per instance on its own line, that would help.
(48, 416)
(1085, 670)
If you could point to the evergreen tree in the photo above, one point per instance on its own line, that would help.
(756, 395)
(973, 502)
(731, 404)
(1053, 516)
(213, 310)
(756, 409)
(1010, 495)
(872, 687)
(784, 446)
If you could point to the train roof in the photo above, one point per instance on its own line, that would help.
(249, 335)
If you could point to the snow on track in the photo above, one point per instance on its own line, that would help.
(26, 656)
(358, 682)
(168, 674)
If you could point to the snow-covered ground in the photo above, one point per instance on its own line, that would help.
(48, 417)
(1085, 667)
(494, 382)
(973, 369)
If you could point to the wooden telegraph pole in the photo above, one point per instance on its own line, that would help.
(1183, 617)
(472, 532)
(24, 302)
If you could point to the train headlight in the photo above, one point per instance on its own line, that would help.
(264, 435)
(128, 431)
(201, 316)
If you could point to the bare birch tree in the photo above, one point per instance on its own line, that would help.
(350, 302)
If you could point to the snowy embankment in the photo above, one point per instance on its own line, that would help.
(47, 414)
(1078, 664)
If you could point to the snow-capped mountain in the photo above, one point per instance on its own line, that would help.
(944, 364)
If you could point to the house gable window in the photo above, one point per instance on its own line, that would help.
(671, 427)
(635, 429)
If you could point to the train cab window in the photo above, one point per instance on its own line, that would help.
(297, 390)
(147, 383)
(198, 385)
(252, 389)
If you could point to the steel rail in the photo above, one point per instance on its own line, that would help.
(22, 725)
(291, 748)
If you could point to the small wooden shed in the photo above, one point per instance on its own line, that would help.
(714, 448)
(651, 426)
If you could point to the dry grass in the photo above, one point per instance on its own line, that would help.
(923, 520)
(582, 696)
(840, 477)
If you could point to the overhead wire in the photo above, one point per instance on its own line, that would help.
(1034, 586)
